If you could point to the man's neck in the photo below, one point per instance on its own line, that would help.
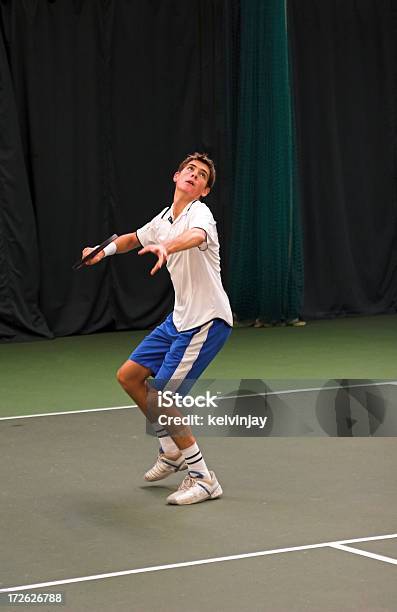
(181, 200)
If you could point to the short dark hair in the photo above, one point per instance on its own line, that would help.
(202, 157)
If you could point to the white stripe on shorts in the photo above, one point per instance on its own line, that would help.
(189, 357)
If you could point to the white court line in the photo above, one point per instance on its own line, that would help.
(308, 389)
(364, 553)
(157, 568)
(226, 397)
(44, 414)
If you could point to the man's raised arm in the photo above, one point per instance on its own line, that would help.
(122, 244)
(187, 240)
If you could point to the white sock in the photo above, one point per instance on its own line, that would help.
(167, 444)
(196, 464)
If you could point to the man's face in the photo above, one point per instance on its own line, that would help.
(193, 178)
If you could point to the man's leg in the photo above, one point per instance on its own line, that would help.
(132, 377)
(188, 357)
(180, 450)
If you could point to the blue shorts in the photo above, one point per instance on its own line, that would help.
(181, 356)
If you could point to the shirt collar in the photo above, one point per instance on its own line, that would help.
(185, 210)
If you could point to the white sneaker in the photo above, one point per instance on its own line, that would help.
(195, 490)
(164, 467)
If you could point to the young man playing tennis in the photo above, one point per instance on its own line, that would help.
(184, 237)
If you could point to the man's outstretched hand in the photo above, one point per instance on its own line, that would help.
(98, 257)
(160, 251)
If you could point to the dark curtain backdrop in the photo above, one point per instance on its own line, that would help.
(100, 100)
(345, 56)
(266, 278)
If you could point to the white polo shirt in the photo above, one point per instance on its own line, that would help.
(195, 273)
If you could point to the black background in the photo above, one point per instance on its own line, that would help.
(101, 99)
(344, 62)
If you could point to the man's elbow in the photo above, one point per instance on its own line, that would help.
(200, 236)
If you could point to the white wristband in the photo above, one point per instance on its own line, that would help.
(110, 249)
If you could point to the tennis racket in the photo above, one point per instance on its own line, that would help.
(79, 264)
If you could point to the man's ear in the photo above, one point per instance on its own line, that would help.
(206, 191)
(176, 176)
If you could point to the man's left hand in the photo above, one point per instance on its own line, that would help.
(160, 251)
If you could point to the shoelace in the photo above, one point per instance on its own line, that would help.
(187, 483)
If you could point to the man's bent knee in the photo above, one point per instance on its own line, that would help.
(132, 375)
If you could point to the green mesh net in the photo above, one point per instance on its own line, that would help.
(266, 279)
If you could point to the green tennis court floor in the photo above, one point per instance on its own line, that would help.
(79, 372)
(75, 506)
